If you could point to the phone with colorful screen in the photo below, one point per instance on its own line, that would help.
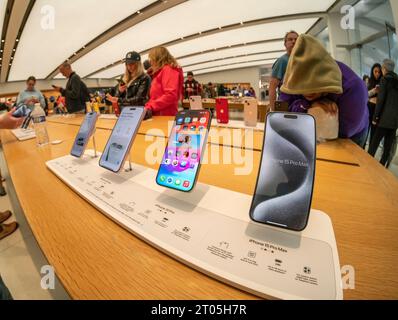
(183, 155)
(83, 136)
(118, 146)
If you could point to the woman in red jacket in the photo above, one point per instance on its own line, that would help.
(167, 83)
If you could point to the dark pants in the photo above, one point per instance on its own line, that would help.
(4, 293)
(372, 127)
(389, 138)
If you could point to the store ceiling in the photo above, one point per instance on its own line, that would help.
(205, 35)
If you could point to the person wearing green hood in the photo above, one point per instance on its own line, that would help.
(313, 77)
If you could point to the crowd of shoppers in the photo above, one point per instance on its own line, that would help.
(385, 118)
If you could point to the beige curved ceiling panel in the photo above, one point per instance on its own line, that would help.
(193, 17)
(55, 29)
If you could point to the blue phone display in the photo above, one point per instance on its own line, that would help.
(22, 112)
(83, 136)
(121, 138)
(182, 158)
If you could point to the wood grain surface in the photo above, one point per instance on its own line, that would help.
(97, 259)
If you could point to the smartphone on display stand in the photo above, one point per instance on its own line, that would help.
(250, 112)
(195, 102)
(222, 111)
(86, 131)
(26, 122)
(285, 180)
(182, 158)
(117, 148)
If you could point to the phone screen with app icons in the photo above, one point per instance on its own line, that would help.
(181, 160)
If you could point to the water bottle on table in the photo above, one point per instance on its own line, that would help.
(40, 125)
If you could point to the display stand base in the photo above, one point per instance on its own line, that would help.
(235, 124)
(24, 134)
(215, 237)
(108, 116)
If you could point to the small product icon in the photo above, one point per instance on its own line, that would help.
(186, 229)
(252, 255)
(224, 245)
(307, 270)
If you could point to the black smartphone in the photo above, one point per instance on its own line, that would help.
(285, 182)
(83, 136)
(118, 146)
(26, 122)
(182, 158)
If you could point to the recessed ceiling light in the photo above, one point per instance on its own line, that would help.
(241, 22)
(2, 40)
(17, 40)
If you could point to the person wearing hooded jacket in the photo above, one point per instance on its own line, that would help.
(386, 115)
(373, 89)
(167, 84)
(313, 76)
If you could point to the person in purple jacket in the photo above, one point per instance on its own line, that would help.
(313, 76)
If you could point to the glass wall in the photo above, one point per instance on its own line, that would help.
(374, 35)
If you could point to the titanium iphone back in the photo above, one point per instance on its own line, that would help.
(285, 182)
(195, 102)
(250, 112)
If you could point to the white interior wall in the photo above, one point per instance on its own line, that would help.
(394, 7)
(12, 87)
(245, 75)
